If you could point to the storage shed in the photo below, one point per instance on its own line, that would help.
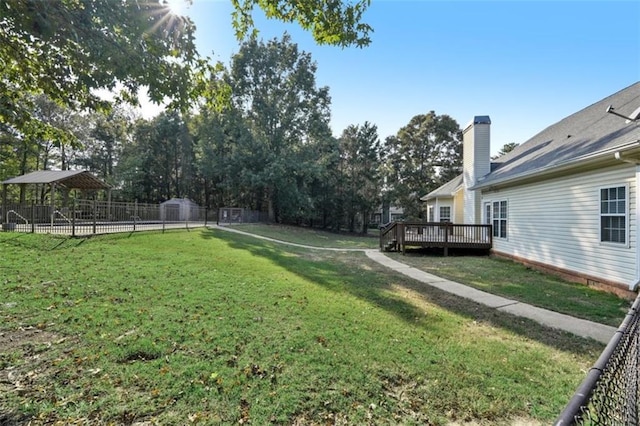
(179, 210)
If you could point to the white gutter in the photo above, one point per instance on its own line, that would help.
(619, 156)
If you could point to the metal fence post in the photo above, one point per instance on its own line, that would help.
(33, 216)
(95, 216)
(73, 218)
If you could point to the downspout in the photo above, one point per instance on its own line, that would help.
(618, 156)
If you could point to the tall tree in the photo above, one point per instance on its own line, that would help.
(224, 152)
(52, 152)
(103, 146)
(423, 155)
(360, 151)
(325, 185)
(159, 163)
(274, 88)
(66, 49)
(506, 148)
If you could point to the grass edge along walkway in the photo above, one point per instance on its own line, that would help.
(580, 327)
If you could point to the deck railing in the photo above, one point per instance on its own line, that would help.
(435, 234)
(389, 236)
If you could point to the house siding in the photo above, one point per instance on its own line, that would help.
(458, 207)
(440, 202)
(557, 223)
(476, 164)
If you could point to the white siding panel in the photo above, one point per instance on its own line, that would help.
(557, 222)
(458, 207)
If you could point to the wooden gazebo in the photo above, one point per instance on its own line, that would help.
(68, 179)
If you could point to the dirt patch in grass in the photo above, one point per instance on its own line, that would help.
(27, 364)
(26, 337)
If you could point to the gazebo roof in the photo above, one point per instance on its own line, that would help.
(71, 179)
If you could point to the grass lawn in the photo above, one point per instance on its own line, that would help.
(496, 276)
(312, 237)
(210, 327)
(518, 282)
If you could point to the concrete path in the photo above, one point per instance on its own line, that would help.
(580, 327)
(577, 326)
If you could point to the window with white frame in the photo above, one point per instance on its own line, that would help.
(487, 213)
(430, 214)
(613, 214)
(499, 216)
(445, 214)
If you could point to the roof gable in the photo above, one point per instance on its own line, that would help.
(587, 132)
(446, 190)
(72, 179)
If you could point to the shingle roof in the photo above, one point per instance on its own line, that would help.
(574, 138)
(446, 190)
(72, 179)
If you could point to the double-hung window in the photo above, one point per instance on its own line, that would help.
(445, 214)
(499, 219)
(613, 214)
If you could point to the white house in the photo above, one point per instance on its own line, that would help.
(446, 204)
(565, 200)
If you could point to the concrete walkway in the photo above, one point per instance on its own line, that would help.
(577, 326)
(580, 327)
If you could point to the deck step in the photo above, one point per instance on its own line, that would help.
(390, 245)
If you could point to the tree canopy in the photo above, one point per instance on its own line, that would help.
(425, 153)
(334, 22)
(273, 87)
(271, 148)
(68, 49)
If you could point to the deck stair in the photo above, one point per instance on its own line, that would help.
(391, 245)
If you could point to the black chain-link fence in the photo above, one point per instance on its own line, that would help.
(610, 393)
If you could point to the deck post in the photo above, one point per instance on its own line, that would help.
(401, 236)
(446, 238)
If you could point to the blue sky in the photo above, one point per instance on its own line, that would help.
(525, 64)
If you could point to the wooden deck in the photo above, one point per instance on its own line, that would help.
(397, 236)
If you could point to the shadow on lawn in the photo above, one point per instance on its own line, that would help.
(363, 278)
